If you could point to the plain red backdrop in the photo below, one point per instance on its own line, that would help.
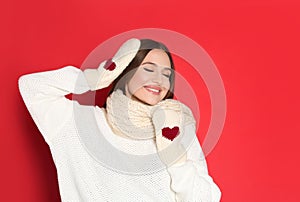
(254, 43)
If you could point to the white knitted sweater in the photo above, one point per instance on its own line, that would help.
(93, 163)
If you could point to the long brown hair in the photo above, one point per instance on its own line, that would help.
(146, 46)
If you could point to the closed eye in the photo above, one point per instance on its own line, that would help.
(148, 70)
(167, 75)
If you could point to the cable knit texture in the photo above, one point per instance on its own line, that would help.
(91, 160)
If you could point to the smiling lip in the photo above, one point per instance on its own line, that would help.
(153, 89)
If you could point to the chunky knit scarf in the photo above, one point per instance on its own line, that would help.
(134, 119)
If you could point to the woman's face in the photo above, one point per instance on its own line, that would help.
(150, 83)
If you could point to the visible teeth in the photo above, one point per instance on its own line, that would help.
(154, 90)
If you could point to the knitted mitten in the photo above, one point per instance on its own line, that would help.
(167, 119)
(110, 69)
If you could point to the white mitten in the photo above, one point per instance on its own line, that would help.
(167, 119)
(110, 69)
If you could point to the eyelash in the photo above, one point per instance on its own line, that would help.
(149, 70)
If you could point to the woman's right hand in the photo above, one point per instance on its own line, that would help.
(110, 69)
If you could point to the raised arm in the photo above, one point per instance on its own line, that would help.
(44, 92)
(44, 96)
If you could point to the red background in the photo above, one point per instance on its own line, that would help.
(254, 43)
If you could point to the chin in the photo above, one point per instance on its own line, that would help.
(149, 102)
(152, 103)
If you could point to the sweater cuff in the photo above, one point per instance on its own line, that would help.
(182, 179)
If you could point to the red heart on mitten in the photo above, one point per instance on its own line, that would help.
(109, 65)
(170, 133)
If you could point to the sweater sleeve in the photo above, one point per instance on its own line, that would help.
(44, 96)
(190, 180)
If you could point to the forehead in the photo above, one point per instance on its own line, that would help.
(158, 57)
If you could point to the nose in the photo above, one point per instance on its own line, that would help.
(157, 78)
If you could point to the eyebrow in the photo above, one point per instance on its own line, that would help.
(152, 63)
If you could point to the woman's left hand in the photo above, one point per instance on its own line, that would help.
(167, 119)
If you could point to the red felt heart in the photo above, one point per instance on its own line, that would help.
(170, 133)
(109, 65)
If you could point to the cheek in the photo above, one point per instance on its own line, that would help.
(137, 81)
(166, 84)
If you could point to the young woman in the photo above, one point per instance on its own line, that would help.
(141, 146)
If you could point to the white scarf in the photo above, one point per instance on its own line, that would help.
(134, 119)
